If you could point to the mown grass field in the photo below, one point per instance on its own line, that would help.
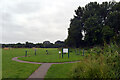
(52, 56)
(96, 63)
(59, 70)
(13, 69)
(100, 63)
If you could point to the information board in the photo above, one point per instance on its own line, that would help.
(65, 50)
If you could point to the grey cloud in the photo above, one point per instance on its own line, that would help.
(37, 20)
(27, 7)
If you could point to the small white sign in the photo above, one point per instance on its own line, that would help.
(59, 52)
(65, 50)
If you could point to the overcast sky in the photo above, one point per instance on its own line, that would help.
(37, 20)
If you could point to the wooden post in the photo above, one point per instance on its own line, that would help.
(35, 52)
(62, 52)
(76, 51)
(59, 54)
(26, 53)
(68, 52)
(79, 51)
(46, 51)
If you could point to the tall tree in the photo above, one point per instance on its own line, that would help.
(94, 19)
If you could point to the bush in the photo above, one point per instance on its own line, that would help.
(91, 68)
(106, 65)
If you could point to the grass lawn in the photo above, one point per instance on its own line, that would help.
(95, 65)
(0, 63)
(52, 56)
(59, 70)
(13, 69)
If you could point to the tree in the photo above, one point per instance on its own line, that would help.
(75, 31)
(47, 44)
(59, 44)
(29, 45)
(39, 45)
(107, 33)
(94, 19)
(93, 30)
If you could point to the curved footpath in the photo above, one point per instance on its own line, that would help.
(42, 70)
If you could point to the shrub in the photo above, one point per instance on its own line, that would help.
(106, 65)
(90, 68)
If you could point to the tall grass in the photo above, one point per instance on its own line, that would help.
(104, 64)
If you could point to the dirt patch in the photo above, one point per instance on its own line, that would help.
(6, 48)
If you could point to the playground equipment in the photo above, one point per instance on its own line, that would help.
(46, 51)
(35, 52)
(77, 52)
(26, 53)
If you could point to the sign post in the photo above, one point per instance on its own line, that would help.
(35, 52)
(46, 51)
(68, 52)
(26, 53)
(62, 53)
(59, 54)
(65, 50)
(79, 51)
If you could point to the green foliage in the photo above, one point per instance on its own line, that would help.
(104, 65)
(75, 37)
(90, 68)
(107, 33)
(100, 22)
(45, 44)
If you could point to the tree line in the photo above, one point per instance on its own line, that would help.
(45, 44)
(100, 23)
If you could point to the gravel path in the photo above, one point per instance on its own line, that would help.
(41, 71)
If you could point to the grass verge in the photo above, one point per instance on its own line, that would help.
(13, 69)
(59, 70)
